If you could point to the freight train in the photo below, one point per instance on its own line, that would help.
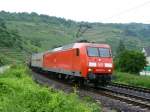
(88, 62)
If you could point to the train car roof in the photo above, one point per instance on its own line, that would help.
(78, 45)
(73, 45)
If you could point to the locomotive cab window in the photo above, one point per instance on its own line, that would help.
(104, 52)
(92, 51)
(98, 52)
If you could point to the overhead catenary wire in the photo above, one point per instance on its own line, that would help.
(128, 10)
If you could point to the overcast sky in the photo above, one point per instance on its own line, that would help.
(107, 11)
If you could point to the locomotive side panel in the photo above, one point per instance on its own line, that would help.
(63, 62)
(48, 60)
(76, 62)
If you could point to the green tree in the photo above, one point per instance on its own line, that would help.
(3, 60)
(131, 61)
(121, 47)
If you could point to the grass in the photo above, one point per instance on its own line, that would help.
(18, 93)
(132, 79)
(9, 56)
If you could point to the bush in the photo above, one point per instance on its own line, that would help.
(131, 61)
(3, 60)
(18, 93)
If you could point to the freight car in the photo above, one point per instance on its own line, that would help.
(82, 61)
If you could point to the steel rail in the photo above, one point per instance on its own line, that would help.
(140, 89)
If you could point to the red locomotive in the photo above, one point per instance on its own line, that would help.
(87, 61)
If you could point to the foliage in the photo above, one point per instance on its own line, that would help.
(2, 23)
(9, 38)
(131, 61)
(18, 93)
(44, 31)
(132, 79)
(3, 60)
(34, 17)
(121, 47)
(31, 32)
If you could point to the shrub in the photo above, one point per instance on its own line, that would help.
(18, 93)
(3, 60)
(131, 61)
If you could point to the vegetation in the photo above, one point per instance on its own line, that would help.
(18, 93)
(11, 44)
(9, 38)
(3, 60)
(132, 79)
(46, 32)
(22, 34)
(131, 61)
(26, 33)
(121, 48)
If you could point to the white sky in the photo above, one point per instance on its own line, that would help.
(107, 11)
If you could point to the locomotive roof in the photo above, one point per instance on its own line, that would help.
(78, 45)
(91, 44)
(73, 45)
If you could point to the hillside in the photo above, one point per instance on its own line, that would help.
(42, 32)
(13, 47)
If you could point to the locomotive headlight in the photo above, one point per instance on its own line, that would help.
(109, 70)
(90, 69)
(92, 64)
(108, 64)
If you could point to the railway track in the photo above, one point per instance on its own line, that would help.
(135, 100)
(114, 92)
(141, 89)
(137, 96)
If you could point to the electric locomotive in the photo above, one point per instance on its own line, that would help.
(87, 61)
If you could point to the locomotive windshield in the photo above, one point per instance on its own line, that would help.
(104, 52)
(98, 52)
(93, 51)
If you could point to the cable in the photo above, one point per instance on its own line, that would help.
(129, 10)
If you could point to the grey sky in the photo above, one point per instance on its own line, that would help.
(107, 11)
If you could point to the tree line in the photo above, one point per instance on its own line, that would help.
(34, 17)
